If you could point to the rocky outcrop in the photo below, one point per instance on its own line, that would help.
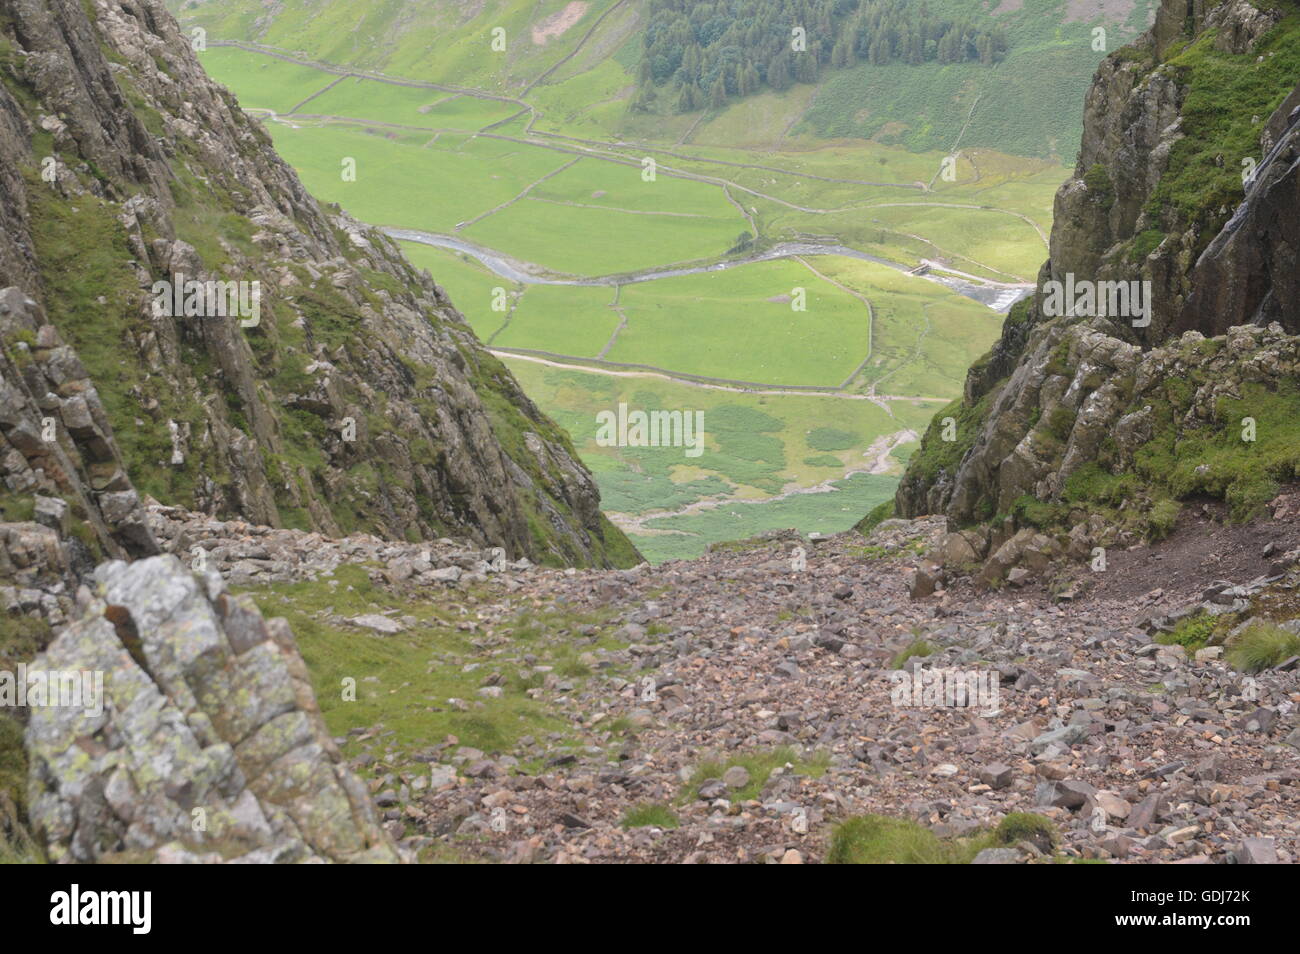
(65, 487)
(1112, 223)
(1082, 398)
(1059, 393)
(205, 743)
(357, 398)
(1250, 273)
(250, 555)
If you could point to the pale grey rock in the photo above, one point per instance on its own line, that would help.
(208, 714)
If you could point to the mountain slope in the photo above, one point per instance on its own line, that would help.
(358, 399)
(731, 709)
(441, 40)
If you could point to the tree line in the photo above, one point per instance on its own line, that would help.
(699, 55)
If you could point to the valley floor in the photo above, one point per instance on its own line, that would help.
(598, 286)
(732, 709)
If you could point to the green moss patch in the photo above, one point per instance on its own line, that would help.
(760, 764)
(884, 840)
(406, 682)
(1215, 459)
(1191, 633)
(917, 647)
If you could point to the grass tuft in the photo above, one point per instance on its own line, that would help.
(650, 816)
(1026, 826)
(1261, 647)
(883, 840)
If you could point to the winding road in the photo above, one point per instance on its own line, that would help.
(997, 295)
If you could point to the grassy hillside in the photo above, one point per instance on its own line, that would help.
(442, 40)
(1029, 104)
(592, 67)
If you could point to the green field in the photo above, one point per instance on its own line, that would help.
(560, 190)
(596, 241)
(825, 510)
(404, 180)
(561, 319)
(595, 183)
(739, 324)
(925, 337)
(360, 98)
(264, 82)
(987, 223)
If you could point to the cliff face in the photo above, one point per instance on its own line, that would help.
(67, 496)
(1171, 126)
(355, 399)
(1189, 180)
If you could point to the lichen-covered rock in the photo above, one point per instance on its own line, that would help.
(209, 745)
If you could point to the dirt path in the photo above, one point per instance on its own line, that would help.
(878, 453)
(1204, 546)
